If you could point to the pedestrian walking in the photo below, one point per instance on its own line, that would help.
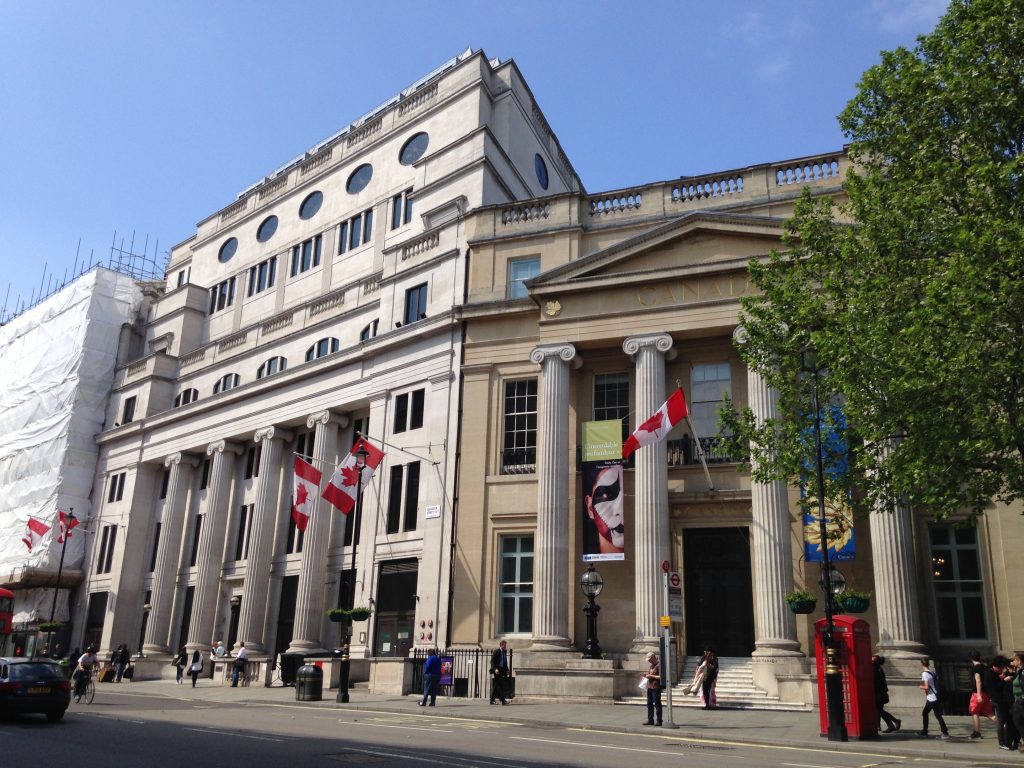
(1017, 691)
(431, 677)
(195, 667)
(999, 689)
(500, 673)
(180, 662)
(696, 685)
(932, 700)
(238, 665)
(707, 686)
(882, 697)
(653, 678)
(981, 699)
(122, 656)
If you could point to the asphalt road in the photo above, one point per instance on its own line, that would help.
(125, 729)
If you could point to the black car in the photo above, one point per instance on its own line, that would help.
(34, 685)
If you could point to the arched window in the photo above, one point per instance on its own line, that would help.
(226, 382)
(185, 397)
(325, 346)
(271, 366)
(369, 331)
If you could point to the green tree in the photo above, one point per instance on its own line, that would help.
(916, 310)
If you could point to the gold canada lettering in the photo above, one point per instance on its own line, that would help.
(691, 291)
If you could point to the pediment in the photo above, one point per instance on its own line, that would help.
(698, 243)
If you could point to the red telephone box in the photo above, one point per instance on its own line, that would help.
(852, 639)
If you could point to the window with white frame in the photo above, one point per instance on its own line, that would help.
(108, 539)
(226, 382)
(222, 295)
(959, 589)
(115, 487)
(185, 397)
(262, 276)
(355, 231)
(515, 599)
(519, 433)
(403, 497)
(326, 346)
(415, 304)
(306, 255)
(369, 331)
(611, 399)
(271, 366)
(519, 271)
(128, 413)
(709, 384)
(401, 209)
(244, 528)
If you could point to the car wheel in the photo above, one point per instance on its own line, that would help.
(55, 715)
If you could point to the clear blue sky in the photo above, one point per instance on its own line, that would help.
(146, 117)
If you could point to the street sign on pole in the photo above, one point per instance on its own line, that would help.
(675, 596)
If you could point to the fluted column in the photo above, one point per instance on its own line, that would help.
(651, 487)
(157, 639)
(211, 544)
(310, 604)
(897, 602)
(252, 619)
(771, 542)
(551, 541)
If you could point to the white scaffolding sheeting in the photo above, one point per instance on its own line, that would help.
(57, 365)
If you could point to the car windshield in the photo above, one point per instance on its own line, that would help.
(35, 671)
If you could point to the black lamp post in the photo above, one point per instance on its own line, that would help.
(69, 523)
(591, 583)
(833, 675)
(346, 660)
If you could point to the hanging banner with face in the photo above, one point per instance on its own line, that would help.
(602, 491)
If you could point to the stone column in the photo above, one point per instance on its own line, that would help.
(771, 544)
(310, 605)
(253, 617)
(157, 640)
(551, 541)
(897, 602)
(211, 544)
(651, 489)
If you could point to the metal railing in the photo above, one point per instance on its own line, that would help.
(471, 674)
(684, 451)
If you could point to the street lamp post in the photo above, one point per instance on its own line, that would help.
(346, 660)
(591, 583)
(833, 675)
(69, 523)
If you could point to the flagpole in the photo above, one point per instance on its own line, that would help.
(65, 530)
(696, 441)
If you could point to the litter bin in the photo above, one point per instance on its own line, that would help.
(290, 663)
(309, 683)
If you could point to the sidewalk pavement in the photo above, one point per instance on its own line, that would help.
(762, 727)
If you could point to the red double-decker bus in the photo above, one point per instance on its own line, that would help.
(6, 621)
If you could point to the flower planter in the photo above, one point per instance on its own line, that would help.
(802, 606)
(854, 604)
(359, 614)
(336, 617)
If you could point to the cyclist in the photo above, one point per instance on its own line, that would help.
(83, 671)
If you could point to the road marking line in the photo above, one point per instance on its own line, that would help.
(604, 746)
(407, 727)
(807, 765)
(446, 761)
(114, 717)
(233, 733)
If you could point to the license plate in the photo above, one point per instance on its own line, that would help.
(40, 689)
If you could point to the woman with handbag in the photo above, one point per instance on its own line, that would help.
(179, 665)
(695, 685)
(195, 667)
(882, 697)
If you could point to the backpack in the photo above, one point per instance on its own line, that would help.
(939, 695)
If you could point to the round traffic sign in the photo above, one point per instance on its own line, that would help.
(673, 580)
(664, 566)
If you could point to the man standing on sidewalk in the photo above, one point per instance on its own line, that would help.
(499, 673)
(653, 677)
(932, 700)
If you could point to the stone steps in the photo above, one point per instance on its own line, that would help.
(735, 689)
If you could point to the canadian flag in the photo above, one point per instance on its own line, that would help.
(67, 523)
(34, 535)
(341, 490)
(656, 428)
(307, 484)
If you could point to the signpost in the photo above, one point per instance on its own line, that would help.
(670, 582)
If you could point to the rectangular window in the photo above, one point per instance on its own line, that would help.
(959, 590)
(244, 524)
(395, 499)
(412, 496)
(520, 270)
(403, 497)
(516, 586)
(306, 255)
(252, 461)
(709, 385)
(204, 478)
(165, 482)
(519, 442)
(108, 539)
(611, 399)
(401, 412)
(128, 414)
(197, 531)
(415, 304)
(115, 491)
(262, 276)
(156, 547)
(416, 409)
(356, 231)
(222, 295)
(401, 209)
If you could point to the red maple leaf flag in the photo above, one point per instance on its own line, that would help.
(341, 490)
(657, 427)
(34, 534)
(307, 483)
(67, 523)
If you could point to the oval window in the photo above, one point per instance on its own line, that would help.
(227, 250)
(359, 179)
(413, 149)
(542, 170)
(311, 205)
(267, 229)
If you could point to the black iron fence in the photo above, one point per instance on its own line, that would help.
(684, 451)
(471, 674)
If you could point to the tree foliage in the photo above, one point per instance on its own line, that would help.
(916, 311)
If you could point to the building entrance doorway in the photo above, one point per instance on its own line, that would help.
(719, 597)
(396, 609)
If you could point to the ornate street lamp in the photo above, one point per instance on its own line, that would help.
(346, 660)
(591, 583)
(833, 675)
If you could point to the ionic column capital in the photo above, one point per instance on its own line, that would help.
(564, 352)
(326, 417)
(174, 459)
(221, 446)
(272, 433)
(661, 342)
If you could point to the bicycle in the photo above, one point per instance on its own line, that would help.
(88, 692)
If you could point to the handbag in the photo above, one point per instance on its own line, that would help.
(197, 667)
(643, 683)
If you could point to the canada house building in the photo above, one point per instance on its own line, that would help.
(435, 277)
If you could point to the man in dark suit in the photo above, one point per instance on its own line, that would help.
(500, 673)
